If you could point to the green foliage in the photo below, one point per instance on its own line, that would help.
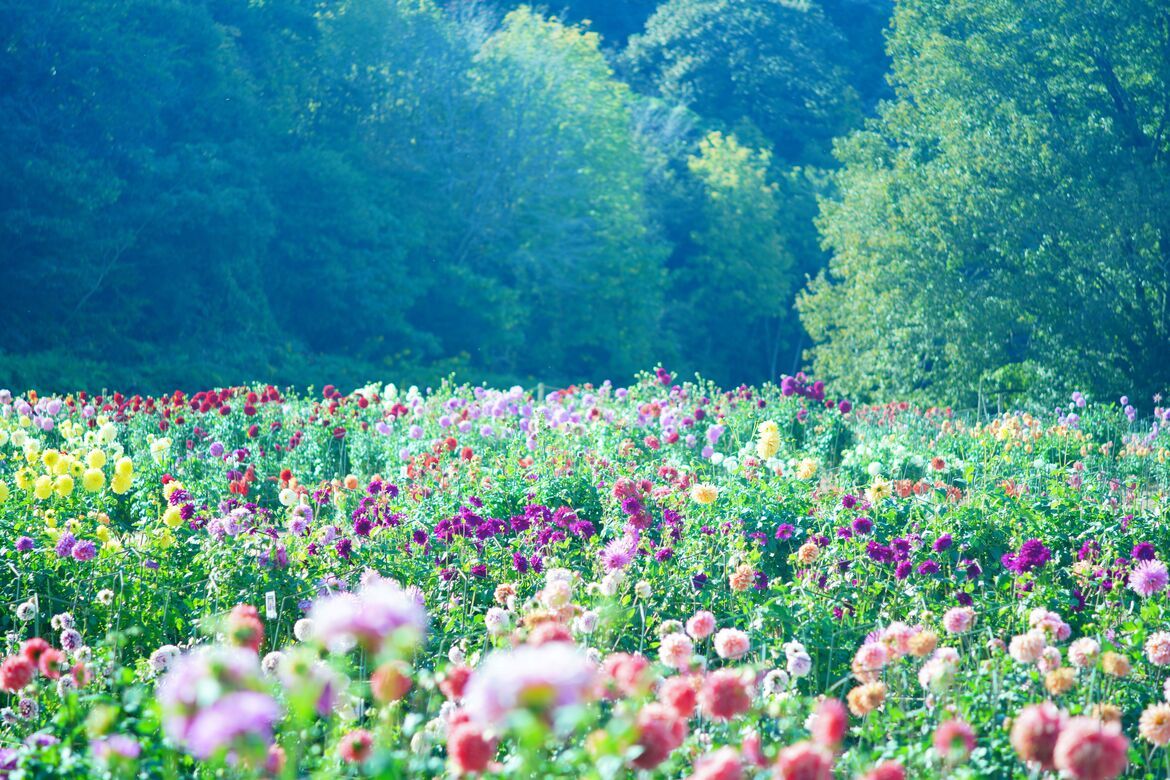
(777, 66)
(127, 167)
(733, 291)
(785, 78)
(614, 20)
(1007, 212)
(201, 194)
(578, 240)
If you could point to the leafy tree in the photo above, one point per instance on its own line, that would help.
(303, 191)
(779, 76)
(353, 180)
(614, 20)
(735, 291)
(776, 65)
(862, 23)
(1006, 217)
(571, 223)
(129, 160)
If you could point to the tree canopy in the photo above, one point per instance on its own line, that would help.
(922, 197)
(1003, 222)
(198, 193)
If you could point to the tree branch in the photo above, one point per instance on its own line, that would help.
(1121, 104)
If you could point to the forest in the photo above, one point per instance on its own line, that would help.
(924, 199)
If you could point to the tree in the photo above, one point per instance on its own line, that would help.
(780, 66)
(570, 229)
(734, 292)
(129, 160)
(1007, 214)
(614, 20)
(355, 173)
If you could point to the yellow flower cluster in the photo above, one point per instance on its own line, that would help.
(806, 469)
(768, 443)
(63, 470)
(58, 471)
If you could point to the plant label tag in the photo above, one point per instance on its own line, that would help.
(270, 604)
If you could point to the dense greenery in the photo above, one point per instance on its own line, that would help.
(207, 192)
(1006, 219)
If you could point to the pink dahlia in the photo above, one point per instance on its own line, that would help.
(675, 651)
(356, 746)
(1034, 734)
(1088, 749)
(469, 751)
(1026, 648)
(15, 673)
(1158, 648)
(828, 723)
(869, 660)
(896, 637)
(1154, 725)
(1148, 578)
(954, 740)
(701, 625)
(680, 694)
(724, 695)
(540, 678)
(958, 620)
(660, 732)
(887, 770)
(626, 674)
(368, 618)
(723, 764)
(1084, 652)
(804, 761)
(731, 643)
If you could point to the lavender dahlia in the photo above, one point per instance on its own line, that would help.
(619, 553)
(367, 618)
(65, 545)
(1148, 577)
(84, 551)
(212, 701)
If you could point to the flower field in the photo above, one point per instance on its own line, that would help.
(663, 580)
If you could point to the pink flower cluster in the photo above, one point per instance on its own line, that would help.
(1081, 748)
(540, 678)
(368, 618)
